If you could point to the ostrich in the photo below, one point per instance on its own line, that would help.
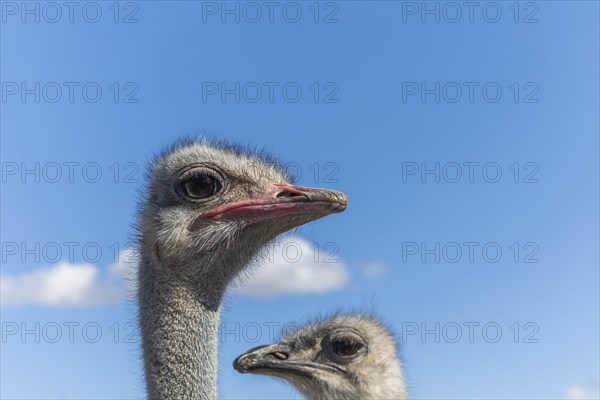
(343, 357)
(208, 211)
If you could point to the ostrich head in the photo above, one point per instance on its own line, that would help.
(344, 357)
(214, 205)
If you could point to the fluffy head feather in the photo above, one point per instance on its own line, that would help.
(341, 357)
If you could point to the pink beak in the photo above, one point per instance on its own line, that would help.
(283, 201)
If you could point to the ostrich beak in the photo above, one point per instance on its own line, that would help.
(277, 359)
(283, 200)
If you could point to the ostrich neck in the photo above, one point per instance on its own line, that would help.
(179, 326)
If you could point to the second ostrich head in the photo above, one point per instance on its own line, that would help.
(344, 357)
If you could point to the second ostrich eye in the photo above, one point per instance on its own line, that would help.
(201, 186)
(346, 347)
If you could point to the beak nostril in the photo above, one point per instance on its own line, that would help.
(288, 193)
(280, 355)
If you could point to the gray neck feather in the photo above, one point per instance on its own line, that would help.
(179, 323)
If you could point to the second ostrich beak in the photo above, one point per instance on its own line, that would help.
(277, 359)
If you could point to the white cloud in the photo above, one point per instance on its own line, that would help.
(67, 284)
(374, 270)
(591, 391)
(291, 266)
(64, 284)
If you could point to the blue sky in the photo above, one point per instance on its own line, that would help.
(385, 95)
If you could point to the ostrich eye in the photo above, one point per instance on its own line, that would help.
(200, 186)
(347, 346)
